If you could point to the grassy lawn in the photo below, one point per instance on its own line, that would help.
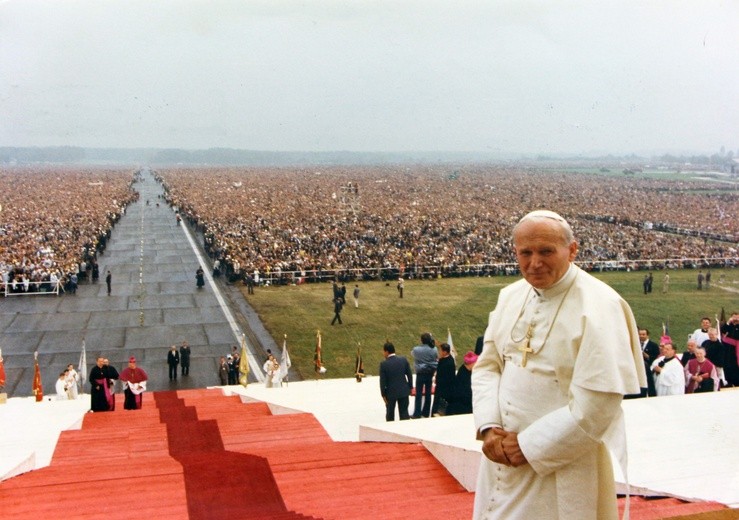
(461, 305)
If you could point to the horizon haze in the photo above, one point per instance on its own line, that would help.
(493, 77)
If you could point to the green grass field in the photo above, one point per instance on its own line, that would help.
(461, 305)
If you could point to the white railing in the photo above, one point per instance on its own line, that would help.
(31, 288)
(286, 277)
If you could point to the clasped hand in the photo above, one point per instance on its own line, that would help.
(501, 446)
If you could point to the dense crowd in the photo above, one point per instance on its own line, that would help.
(386, 221)
(54, 222)
(442, 219)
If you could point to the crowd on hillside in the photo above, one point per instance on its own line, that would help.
(54, 222)
(439, 219)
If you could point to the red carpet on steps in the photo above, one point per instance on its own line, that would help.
(199, 455)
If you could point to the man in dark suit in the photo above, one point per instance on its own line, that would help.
(396, 381)
(650, 352)
(173, 359)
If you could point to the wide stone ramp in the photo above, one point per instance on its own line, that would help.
(154, 304)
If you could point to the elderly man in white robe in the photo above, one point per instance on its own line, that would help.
(560, 351)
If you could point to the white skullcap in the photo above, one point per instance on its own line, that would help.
(543, 213)
(551, 215)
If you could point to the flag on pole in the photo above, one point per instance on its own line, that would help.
(2, 371)
(721, 319)
(452, 350)
(82, 367)
(718, 327)
(243, 363)
(285, 362)
(359, 365)
(38, 389)
(317, 358)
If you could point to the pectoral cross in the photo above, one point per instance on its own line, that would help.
(526, 348)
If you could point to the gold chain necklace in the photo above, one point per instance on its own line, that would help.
(526, 349)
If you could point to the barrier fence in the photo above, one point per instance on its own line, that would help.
(31, 288)
(283, 277)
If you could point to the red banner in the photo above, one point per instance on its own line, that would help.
(38, 389)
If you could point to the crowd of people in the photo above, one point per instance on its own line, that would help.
(54, 222)
(709, 362)
(440, 387)
(284, 224)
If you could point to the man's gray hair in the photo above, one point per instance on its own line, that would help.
(544, 214)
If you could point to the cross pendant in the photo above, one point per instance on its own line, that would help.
(526, 348)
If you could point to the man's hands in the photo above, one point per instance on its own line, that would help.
(502, 447)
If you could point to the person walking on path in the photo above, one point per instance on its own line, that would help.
(108, 280)
(337, 310)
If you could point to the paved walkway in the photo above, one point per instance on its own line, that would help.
(154, 304)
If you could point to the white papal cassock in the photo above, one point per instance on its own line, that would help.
(565, 403)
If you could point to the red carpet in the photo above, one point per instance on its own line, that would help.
(218, 483)
(197, 454)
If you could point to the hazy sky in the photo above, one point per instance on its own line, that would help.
(387, 75)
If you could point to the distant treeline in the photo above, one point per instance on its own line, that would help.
(239, 157)
(224, 156)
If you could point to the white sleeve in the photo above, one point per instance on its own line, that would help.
(673, 374)
(486, 376)
(561, 436)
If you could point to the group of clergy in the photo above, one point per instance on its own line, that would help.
(102, 380)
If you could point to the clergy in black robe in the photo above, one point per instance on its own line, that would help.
(100, 394)
(445, 375)
(462, 401)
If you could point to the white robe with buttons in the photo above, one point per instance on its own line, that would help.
(671, 380)
(565, 404)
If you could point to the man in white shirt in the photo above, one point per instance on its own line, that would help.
(701, 334)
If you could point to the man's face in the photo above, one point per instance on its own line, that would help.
(541, 251)
(643, 336)
(705, 324)
(691, 346)
(100, 362)
(669, 351)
